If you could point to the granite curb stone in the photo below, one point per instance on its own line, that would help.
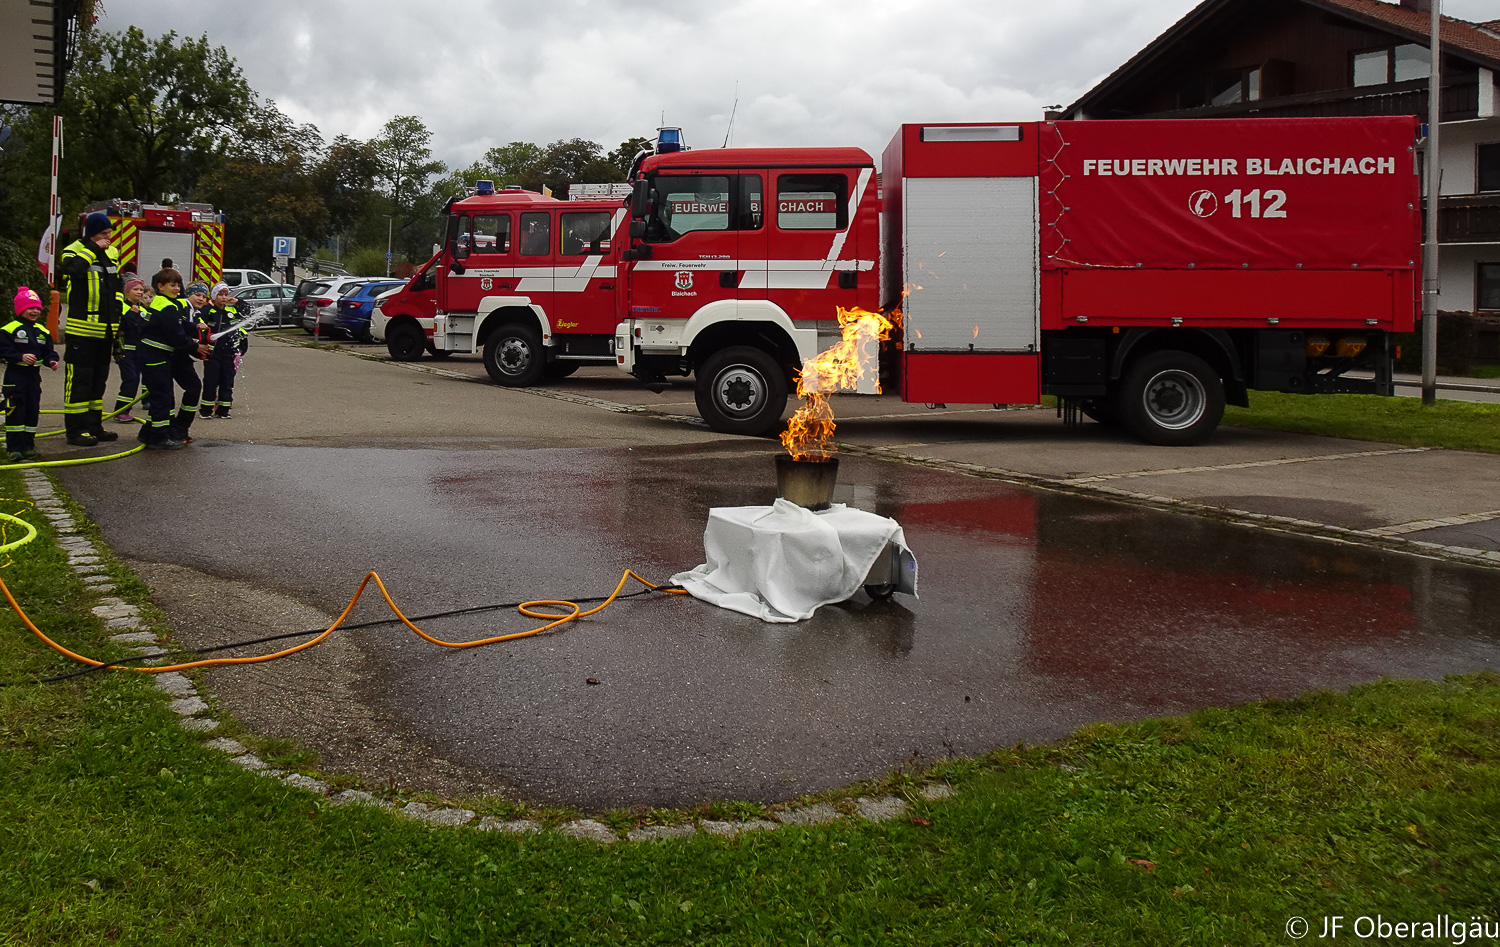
(443, 816)
(731, 829)
(514, 826)
(647, 833)
(306, 782)
(819, 813)
(590, 830)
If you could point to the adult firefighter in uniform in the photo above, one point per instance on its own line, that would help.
(91, 287)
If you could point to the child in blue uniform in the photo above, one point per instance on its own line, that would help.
(25, 346)
(169, 348)
(219, 370)
(132, 324)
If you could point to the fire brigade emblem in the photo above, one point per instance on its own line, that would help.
(1203, 203)
(485, 283)
(684, 280)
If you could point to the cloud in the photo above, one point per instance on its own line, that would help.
(805, 71)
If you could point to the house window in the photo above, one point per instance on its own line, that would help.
(1237, 85)
(1392, 64)
(1487, 295)
(1410, 62)
(1488, 161)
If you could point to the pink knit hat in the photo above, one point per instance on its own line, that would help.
(26, 298)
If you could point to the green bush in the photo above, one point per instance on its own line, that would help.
(365, 262)
(18, 268)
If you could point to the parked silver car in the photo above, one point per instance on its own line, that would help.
(322, 310)
(250, 299)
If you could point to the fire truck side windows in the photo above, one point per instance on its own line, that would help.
(585, 233)
(490, 234)
(536, 234)
(812, 201)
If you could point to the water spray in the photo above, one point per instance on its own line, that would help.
(257, 316)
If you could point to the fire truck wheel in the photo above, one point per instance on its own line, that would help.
(1172, 398)
(405, 341)
(741, 390)
(513, 356)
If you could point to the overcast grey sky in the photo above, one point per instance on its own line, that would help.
(844, 72)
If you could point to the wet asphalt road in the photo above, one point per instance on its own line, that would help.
(1039, 612)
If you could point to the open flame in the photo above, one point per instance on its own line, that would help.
(854, 359)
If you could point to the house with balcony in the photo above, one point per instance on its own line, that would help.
(1246, 58)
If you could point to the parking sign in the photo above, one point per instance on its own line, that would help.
(283, 246)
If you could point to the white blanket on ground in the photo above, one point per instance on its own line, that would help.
(781, 563)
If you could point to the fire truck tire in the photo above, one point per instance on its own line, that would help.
(1172, 398)
(514, 357)
(405, 341)
(741, 390)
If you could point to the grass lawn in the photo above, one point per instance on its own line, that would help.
(1461, 425)
(1215, 828)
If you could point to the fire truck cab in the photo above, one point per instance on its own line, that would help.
(741, 258)
(528, 281)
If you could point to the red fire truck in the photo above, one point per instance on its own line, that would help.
(190, 235)
(1145, 272)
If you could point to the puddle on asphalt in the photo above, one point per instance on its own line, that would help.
(1039, 612)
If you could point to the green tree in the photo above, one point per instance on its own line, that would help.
(346, 179)
(404, 171)
(25, 160)
(404, 162)
(268, 184)
(571, 161)
(623, 155)
(505, 165)
(147, 118)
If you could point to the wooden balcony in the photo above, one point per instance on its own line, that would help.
(1469, 219)
(1460, 102)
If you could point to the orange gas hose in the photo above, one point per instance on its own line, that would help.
(525, 608)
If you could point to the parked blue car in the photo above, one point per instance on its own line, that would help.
(355, 308)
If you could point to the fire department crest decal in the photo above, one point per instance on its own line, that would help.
(485, 283)
(684, 279)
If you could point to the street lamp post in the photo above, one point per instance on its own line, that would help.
(1434, 178)
(389, 223)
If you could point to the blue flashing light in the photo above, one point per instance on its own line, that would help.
(484, 187)
(668, 140)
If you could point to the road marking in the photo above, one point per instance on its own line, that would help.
(1418, 525)
(1075, 481)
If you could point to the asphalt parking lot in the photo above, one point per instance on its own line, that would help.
(1046, 602)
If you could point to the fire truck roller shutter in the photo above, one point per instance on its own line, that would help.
(970, 255)
(153, 246)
